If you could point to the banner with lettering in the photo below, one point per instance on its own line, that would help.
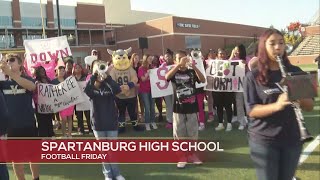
(54, 98)
(85, 105)
(159, 85)
(45, 52)
(225, 76)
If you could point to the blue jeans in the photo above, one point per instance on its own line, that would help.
(149, 111)
(273, 162)
(109, 170)
(4, 172)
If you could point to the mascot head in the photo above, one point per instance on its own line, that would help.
(120, 58)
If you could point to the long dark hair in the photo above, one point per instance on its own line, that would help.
(263, 59)
(242, 52)
(38, 75)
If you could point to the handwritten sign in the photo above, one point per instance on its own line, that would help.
(45, 52)
(225, 76)
(54, 98)
(85, 105)
(159, 85)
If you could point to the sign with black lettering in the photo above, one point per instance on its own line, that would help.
(225, 76)
(54, 98)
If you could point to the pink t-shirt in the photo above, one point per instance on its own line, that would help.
(145, 86)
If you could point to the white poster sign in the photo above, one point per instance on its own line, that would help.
(85, 105)
(225, 76)
(159, 85)
(54, 98)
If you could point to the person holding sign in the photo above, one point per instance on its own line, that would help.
(212, 55)
(155, 64)
(185, 107)
(145, 92)
(168, 57)
(239, 53)
(102, 91)
(273, 132)
(223, 100)
(45, 126)
(17, 90)
(66, 114)
(78, 73)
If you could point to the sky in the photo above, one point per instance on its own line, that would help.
(278, 13)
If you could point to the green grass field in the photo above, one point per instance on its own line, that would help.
(233, 163)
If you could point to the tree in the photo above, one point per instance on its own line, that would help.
(292, 36)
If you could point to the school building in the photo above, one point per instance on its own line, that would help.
(99, 24)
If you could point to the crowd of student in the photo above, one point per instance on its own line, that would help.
(184, 114)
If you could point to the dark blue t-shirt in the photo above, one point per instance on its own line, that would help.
(3, 115)
(19, 104)
(103, 109)
(280, 128)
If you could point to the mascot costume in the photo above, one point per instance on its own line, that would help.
(126, 77)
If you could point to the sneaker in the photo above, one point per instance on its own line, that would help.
(219, 127)
(241, 127)
(181, 165)
(201, 126)
(80, 133)
(148, 127)
(169, 125)
(229, 127)
(154, 125)
(120, 178)
(195, 160)
(211, 118)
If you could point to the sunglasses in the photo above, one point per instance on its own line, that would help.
(11, 60)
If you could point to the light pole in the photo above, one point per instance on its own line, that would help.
(58, 16)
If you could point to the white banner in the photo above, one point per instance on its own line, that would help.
(42, 51)
(199, 65)
(54, 98)
(159, 85)
(85, 105)
(225, 76)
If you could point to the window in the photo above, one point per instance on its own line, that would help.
(193, 42)
(65, 23)
(31, 14)
(5, 14)
(33, 22)
(6, 21)
(67, 16)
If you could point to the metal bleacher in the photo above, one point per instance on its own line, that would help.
(309, 46)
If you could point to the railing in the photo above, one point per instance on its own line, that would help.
(13, 37)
